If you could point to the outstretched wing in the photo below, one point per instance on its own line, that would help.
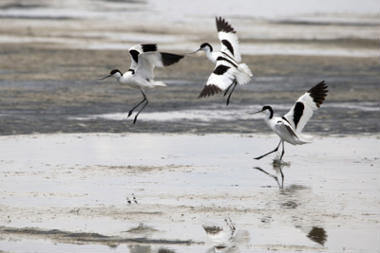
(136, 50)
(303, 109)
(228, 39)
(220, 79)
(145, 57)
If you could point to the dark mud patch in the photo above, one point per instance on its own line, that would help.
(142, 229)
(129, 169)
(84, 237)
(8, 6)
(293, 188)
(165, 250)
(213, 230)
(289, 205)
(318, 235)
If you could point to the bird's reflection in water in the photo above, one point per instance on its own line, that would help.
(318, 235)
(226, 238)
(291, 198)
(278, 168)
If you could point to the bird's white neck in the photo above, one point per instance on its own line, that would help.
(212, 56)
(117, 76)
(126, 77)
(269, 117)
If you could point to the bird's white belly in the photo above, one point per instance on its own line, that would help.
(135, 83)
(284, 133)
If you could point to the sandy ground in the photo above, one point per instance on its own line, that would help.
(77, 192)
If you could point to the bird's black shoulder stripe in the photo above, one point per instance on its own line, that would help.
(135, 55)
(285, 119)
(169, 59)
(228, 56)
(298, 112)
(228, 46)
(221, 69)
(149, 47)
(290, 130)
(223, 26)
(209, 90)
(220, 58)
(132, 70)
(319, 93)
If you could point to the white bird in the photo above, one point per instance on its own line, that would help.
(289, 127)
(144, 57)
(228, 71)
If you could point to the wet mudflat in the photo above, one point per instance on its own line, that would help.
(186, 193)
(63, 95)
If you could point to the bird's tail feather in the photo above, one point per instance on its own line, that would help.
(305, 138)
(244, 74)
(159, 83)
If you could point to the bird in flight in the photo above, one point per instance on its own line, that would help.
(289, 127)
(144, 57)
(228, 71)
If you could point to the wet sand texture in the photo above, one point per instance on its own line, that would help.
(71, 192)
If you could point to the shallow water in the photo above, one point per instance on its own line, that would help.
(82, 183)
(176, 108)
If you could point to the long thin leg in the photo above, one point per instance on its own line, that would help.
(231, 225)
(271, 175)
(274, 150)
(228, 88)
(282, 177)
(233, 88)
(142, 108)
(139, 103)
(283, 150)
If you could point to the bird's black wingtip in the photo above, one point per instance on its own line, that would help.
(209, 90)
(319, 93)
(223, 26)
(149, 47)
(169, 59)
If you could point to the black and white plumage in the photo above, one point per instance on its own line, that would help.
(289, 127)
(228, 71)
(140, 75)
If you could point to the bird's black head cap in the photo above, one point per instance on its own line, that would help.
(206, 44)
(269, 108)
(114, 71)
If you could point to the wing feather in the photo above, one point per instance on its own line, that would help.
(303, 109)
(145, 57)
(220, 79)
(228, 39)
(287, 132)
